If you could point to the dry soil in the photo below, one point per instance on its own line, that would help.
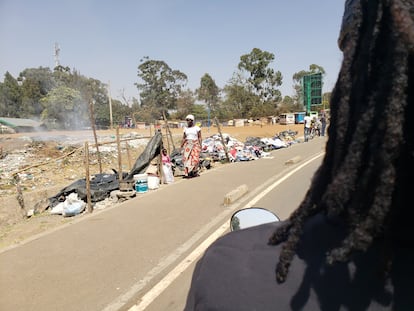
(59, 170)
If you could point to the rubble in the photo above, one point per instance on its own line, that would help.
(105, 188)
(44, 181)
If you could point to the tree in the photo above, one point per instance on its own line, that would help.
(239, 100)
(288, 104)
(10, 97)
(161, 86)
(42, 76)
(119, 112)
(61, 96)
(31, 94)
(263, 79)
(64, 105)
(200, 112)
(34, 83)
(95, 91)
(326, 100)
(185, 104)
(209, 93)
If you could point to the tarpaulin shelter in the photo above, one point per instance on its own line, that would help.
(152, 149)
(101, 185)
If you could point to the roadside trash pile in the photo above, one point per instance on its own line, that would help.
(70, 207)
(252, 149)
(106, 188)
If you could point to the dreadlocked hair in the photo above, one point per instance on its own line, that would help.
(367, 171)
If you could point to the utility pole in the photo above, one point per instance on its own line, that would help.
(57, 50)
(208, 122)
(110, 106)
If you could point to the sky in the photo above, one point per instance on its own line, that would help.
(106, 39)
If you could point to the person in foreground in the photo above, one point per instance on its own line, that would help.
(191, 145)
(350, 243)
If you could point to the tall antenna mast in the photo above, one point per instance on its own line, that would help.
(57, 50)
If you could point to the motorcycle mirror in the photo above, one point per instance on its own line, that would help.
(250, 217)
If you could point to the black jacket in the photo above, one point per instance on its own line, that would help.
(237, 272)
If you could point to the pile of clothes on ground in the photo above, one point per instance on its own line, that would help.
(252, 149)
(71, 200)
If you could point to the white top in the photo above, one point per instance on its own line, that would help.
(191, 133)
(308, 121)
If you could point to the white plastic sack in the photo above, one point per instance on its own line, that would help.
(58, 209)
(168, 173)
(70, 207)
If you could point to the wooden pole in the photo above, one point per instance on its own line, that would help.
(128, 150)
(92, 118)
(161, 167)
(19, 195)
(168, 141)
(87, 179)
(222, 139)
(169, 131)
(118, 143)
(111, 125)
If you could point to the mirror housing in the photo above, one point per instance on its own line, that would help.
(252, 216)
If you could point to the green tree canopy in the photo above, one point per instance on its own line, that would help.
(161, 86)
(261, 77)
(10, 97)
(297, 76)
(36, 91)
(185, 104)
(64, 106)
(209, 93)
(239, 101)
(35, 83)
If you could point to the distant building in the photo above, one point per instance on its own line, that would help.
(17, 125)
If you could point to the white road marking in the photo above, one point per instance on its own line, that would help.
(151, 295)
(279, 181)
(155, 291)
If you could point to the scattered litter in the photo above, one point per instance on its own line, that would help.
(70, 207)
(106, 188)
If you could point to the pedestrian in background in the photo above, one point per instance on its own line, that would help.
(191, 145)
(307, 121)
(323, 124)
(318, 126)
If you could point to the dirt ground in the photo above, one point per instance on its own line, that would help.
(50, 161)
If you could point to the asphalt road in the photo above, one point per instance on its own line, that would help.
(111, 259)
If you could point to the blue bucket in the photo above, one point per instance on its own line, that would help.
(141, 183)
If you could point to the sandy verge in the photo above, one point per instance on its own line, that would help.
(50, 178)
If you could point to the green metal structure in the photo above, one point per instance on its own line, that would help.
(312, 91)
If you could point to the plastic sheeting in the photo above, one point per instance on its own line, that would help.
(102, 185)
(152, 149)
